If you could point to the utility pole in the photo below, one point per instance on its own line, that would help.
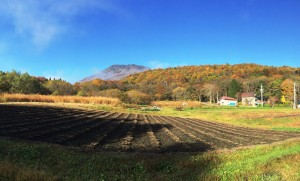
(295, 97)
(261, 94)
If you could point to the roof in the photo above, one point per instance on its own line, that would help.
(228, 98)
(249, 94)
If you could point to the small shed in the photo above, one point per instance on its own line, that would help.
(249, 99)
(228, 101)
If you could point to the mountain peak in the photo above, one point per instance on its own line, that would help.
(117, 72)
(119, 68)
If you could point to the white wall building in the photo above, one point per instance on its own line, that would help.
(228, 101)
(249, 99)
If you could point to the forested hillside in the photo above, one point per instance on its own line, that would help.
(17, 82)
(206, 82)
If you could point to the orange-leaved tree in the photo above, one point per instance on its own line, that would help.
(287, 87)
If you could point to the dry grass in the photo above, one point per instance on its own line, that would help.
(184, 104)
(58, 99)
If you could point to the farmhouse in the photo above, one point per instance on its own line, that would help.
(228, 101)
(249, 99)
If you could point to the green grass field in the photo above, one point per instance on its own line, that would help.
(31, 161)
(277, 118)
(20, 160)
(268, 118)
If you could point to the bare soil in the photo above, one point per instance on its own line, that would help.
(122, 132)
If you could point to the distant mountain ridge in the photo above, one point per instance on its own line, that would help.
(117, 72)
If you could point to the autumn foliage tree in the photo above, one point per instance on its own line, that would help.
(16, 82)
(179, 93)
(114, 93)
(60, 87)
(135, 97)
(211, 91)
(287, 88)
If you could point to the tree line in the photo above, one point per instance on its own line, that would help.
(203, 83)
(17, 82)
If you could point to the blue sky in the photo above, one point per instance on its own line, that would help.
(72, 39)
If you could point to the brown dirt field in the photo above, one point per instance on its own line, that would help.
(112, 131)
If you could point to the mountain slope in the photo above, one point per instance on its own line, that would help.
(205, 81)
(212, 73)
(116, 72)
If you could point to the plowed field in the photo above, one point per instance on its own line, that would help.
(112, 131)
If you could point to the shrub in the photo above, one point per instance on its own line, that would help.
(135, 97)
(114, 93)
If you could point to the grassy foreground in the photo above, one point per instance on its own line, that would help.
(31, 161)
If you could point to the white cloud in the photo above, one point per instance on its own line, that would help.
(95, 70)
(158, 64)
(43, 20)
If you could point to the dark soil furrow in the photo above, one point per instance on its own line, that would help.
(141, 141)
(126, 141)
(196, 143)
(52, 127)
(212, 138)
(242, 139)
(36, 121)
(112, 131)
(36, 126)
(153, 139)
(252, 131)
(69, 131)
(167, 138)
(113, 139)
(258, 137)
(97, 141)
(18, 118)
(92, 137)
(49, 135)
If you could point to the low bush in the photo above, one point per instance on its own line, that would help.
(135, 97)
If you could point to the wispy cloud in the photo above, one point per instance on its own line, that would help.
(43, 20)
(95, 70)
(158, 64)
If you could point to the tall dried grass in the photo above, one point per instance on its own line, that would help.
(187, 104)
(58, 99)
